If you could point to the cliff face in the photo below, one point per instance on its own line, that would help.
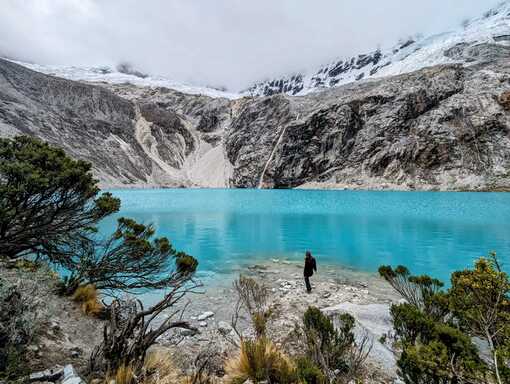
(443, 127)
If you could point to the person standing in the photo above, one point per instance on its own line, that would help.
(310, 267)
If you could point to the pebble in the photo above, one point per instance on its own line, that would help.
(205, 316)
(224, 328)
(186, 332)
(203, 323)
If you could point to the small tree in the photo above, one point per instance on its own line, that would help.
(129, 260)
(47, 200)
(50, 207)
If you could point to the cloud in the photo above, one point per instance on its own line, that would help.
(230, 43)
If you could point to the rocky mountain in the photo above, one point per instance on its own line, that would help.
(458, 46)
(442, 127)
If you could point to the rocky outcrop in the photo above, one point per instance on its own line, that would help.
(445, 127)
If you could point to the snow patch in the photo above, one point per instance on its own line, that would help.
(108, 75)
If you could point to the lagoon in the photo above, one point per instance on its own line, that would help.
(228, 229)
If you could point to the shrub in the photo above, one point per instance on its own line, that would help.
(419, 291)
(326, 346)
(254, 299)
(480, 300)
(308, 372)
(446, 356)
(132, 329)
(435, 328)
(18, 325)
(259, 360)
(130, 260)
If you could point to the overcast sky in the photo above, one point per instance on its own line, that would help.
(217, 42)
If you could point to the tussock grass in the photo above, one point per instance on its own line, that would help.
(159, 369)
(124, 375)
(260, 360)
(88, 298)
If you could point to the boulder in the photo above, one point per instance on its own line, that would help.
(71, 377)
(372, 320)
(52, 374)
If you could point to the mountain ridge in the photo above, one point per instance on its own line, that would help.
(406, 56)
(439, 128)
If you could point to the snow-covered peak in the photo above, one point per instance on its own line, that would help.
(120, 75)
(475, 40)
(463, 45)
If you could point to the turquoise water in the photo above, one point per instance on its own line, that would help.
(430, 232)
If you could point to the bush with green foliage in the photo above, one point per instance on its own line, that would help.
(130, 260)
(333, 350)
(308, 372)
(435, 328)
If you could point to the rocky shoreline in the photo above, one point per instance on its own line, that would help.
(335, 290)
(67, 340)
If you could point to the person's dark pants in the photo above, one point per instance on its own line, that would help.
(307, 283)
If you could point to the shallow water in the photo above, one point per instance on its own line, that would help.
(430, 232)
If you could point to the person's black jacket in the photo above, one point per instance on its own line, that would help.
(310, 266)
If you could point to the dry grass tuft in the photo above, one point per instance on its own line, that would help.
(88, 298)
(159, 369)
(260, 360)
(124, 375)
(504, 100)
